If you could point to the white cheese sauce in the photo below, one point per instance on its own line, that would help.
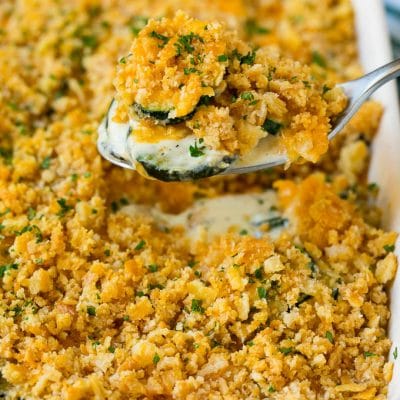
(242, 213)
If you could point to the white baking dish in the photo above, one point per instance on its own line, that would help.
(374, 49)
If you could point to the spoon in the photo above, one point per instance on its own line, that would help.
(267, 153)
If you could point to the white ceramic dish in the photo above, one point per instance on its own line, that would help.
(374, 49)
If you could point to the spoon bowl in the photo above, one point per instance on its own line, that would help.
(267, 154)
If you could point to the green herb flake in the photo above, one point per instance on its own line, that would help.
(111, 349)
(31, 214)
(91, 311)
(335, 293)
(249, 58)
(191, 70)
(259, 273)
(89, 41)
(153, 267)
(197, 306)
(373, 187)
(45, 164)
(107, 252)
(64, 207)
(243, 232)
(303, 297)
(156, 359)
(389, 248)
(184, 43)
(247, 96)
(137, 23)
(140, 293)
(222, 58)
(253, 28)
(122, 60)
(319, 59)
(395, 353)
(196, 151)
(140, 245)
(158, 36)
(114, 206)
(285, 350)
(271, 389)
(271, 126)
(126, 318)
(6, 268)
(325, 89)
(74, 177)
(329, 336)
(262, 292)
(369, 354)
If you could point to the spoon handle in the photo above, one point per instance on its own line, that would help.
(380, 76)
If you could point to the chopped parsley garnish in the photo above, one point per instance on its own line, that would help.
(197, 306)
(137, 23)
(126, 318)
(252, 28)
(158, 36)
(369, 354)
(45, 164)
(262, 292)
(140, 245)
(7, 267)
(395, 353)
(111, 349)
(247, 96)
(372, 187)
(319, 59)
(6, 155)
(196, 151)
(190, 70)
(335, 293)
(31, 213)
(153, 267)
(91, 311)
(89, 41)
(271, 126)
(249, 58)
(64, 207)
(156, 359)
(140, 293)
(122, 60)
(184, 43)
(303, 297)
(285, 350)
(107, 252)
(325, 89)
(31, 228)
(243, 232)
(329, 336)
(250, 343)
(388, 247)
(258, 273)
(192, 263)
(271, 389)
(74, 177)
(222, 58)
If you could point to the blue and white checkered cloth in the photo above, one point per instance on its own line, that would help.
(393, 17)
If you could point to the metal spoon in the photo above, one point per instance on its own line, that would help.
(266, 154)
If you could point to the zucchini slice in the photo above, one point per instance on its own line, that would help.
(159, 116)
(178, 160)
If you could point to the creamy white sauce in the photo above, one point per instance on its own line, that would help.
(242, 213)
(117, 144)
(117, 141)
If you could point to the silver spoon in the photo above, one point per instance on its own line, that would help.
(266, 154)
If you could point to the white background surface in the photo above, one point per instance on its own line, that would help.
(374, 48)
